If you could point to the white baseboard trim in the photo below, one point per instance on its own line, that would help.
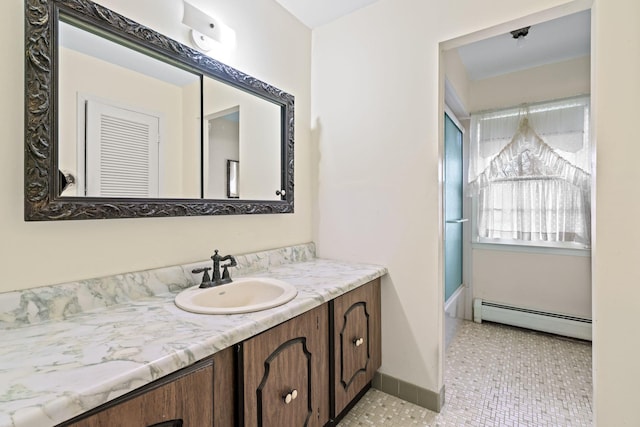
(555, 323)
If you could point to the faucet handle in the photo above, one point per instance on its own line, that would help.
(206, 279)
(226, 277)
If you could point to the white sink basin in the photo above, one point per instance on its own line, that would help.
(240, 296)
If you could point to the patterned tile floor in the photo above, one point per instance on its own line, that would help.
(497, 376)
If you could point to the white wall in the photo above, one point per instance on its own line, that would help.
(363, 76)
(271, 45)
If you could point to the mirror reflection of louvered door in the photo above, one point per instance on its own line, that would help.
(122, 152)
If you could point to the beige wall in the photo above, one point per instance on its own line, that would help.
(616, 270)
(368, 210)
(543, 83)
(95, 78)
(191, 131)
(457, 75)
(546, 282)
(259, 143)
(271, 45)
(223, 146)
(561, 283)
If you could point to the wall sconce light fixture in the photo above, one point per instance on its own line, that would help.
(204, 28)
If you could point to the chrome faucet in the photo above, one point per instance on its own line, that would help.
(218, 279)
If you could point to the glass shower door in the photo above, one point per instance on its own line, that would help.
(453, 176)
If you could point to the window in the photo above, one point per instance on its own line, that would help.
(530, 174)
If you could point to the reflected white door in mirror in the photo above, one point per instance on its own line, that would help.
(117, 152)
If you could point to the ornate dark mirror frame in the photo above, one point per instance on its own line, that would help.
(42, 185)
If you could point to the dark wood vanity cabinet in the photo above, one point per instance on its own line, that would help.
(183, 399)
(356, 345)
(283, 373)
(303, 372)
(308, 370)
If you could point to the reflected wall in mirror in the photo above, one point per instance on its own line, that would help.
(243, 127)
(221, 145)
(233, 174)
(144, 125)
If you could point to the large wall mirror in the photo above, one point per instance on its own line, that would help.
(122, 121)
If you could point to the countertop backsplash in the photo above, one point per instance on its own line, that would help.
(59, 302)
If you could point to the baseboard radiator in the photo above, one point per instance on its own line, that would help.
(560, 324)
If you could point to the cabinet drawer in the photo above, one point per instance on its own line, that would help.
(356, 343)
(182, 400)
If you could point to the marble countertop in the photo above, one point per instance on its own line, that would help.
(54, 370)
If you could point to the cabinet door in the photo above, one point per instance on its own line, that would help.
(356, 342)
(224, 388)
(284, 370)
(183, 400)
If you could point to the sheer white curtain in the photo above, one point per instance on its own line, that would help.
(530, 171)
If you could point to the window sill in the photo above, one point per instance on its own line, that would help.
(547, 250)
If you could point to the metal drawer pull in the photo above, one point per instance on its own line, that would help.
(358, 342)
(290, 396)
(457, 221)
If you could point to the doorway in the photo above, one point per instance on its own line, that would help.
(497, 272)
(221, 154)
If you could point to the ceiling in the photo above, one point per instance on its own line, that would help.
(112, 52)
(548, 42)
(314, 13)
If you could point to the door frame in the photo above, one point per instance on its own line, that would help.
(444, 85)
